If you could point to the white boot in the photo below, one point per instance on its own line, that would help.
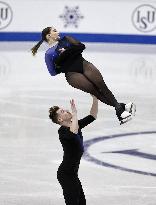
(125, 117)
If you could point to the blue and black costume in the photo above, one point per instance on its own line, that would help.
(69, 60)
(79, 73)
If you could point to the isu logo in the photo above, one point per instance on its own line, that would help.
(71, 16)
(144, 18)
(5, 15)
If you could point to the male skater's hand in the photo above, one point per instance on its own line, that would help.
(94, 108)
(74, 125)
(94, 97)
(73, 107)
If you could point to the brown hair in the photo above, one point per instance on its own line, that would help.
(45, 31)
(53, 114)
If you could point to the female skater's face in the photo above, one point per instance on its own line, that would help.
(64, 115)
(53, 35)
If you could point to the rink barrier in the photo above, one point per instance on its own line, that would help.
(84, 37)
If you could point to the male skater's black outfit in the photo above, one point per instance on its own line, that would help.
(67, 173)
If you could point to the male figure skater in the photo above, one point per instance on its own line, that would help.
(71, 138)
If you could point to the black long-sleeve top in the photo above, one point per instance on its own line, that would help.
(73, 145)
(73, 47)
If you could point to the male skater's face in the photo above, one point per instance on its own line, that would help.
(64, 115)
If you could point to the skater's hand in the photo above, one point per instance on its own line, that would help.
(62, 50)
(73, 107)
(94, 108)
(74, 123)
(94, 97)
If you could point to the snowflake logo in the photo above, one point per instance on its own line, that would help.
(71, 16)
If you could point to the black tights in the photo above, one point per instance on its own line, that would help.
(72, 188)
(91, 81)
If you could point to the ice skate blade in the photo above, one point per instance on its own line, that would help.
(133, 109)
(125, 120)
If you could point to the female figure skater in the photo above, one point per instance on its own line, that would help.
(65, 56)
(71, 138)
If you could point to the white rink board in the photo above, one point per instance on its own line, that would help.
(102, 17)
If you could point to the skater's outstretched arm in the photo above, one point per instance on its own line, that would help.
(93, 114)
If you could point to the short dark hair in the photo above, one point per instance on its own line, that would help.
(53, 115)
